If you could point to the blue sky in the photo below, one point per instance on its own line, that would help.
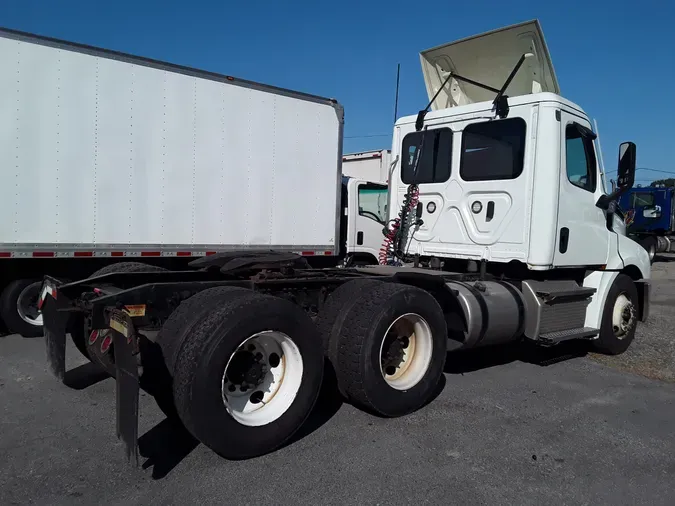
(615, 59)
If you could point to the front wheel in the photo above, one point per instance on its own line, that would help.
(248, 374)
(619, 317)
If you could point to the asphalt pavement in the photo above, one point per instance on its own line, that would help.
(510, 426)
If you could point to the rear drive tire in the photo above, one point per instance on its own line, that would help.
(18, 307)
(391, 349)
(189, 313)
(159, 357)
(332, 317)
(127, 267)
(619, 317)
(216, 368)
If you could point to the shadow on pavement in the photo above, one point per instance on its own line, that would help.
(84, 376)
(326, 407)
(169, 442)
(165, 446)
(460, 362)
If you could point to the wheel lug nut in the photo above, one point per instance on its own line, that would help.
(258, 356)
(231, 388)
(251, 347)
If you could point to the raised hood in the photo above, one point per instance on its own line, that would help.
(489, 58)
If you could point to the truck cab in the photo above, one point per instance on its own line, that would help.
(650, 217)
(364, 207)
(522, 187)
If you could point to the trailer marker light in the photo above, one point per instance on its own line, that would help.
(105, 344)
(5, 254)
(92, 337)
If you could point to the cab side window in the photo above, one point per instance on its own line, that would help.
(373, 202)
(580, 158)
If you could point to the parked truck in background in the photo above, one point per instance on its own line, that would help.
(113, 162)
(650, 217)
(498, 231)
(370, 165)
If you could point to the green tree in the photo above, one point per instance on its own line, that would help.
(670, 182)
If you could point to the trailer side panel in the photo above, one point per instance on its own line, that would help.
(108, 152)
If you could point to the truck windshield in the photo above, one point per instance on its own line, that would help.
(641, 199)
(373, 203)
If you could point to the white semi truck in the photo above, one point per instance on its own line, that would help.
(108, 158)
(499, 231)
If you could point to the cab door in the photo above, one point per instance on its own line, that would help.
(367, 215)
(582, 234)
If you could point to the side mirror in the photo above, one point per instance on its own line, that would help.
(626, 172)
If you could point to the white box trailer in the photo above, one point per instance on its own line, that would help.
(369, 165)
(107, 155)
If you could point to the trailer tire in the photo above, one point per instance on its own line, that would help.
(99, 346)
(332, 315)
(205, 371)
(15, 305)
(619, 317)
(402, 380)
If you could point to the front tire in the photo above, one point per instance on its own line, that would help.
(248, 374)
(619, 317)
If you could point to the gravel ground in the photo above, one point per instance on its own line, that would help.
(652, 354)
(510, 426)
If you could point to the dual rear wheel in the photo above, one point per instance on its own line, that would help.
(247, 368)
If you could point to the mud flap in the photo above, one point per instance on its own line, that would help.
(55, 322)
(127, 387)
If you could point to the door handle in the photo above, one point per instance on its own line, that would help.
(564, 239)
(490, 212)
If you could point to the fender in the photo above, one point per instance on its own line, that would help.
(633, 261)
